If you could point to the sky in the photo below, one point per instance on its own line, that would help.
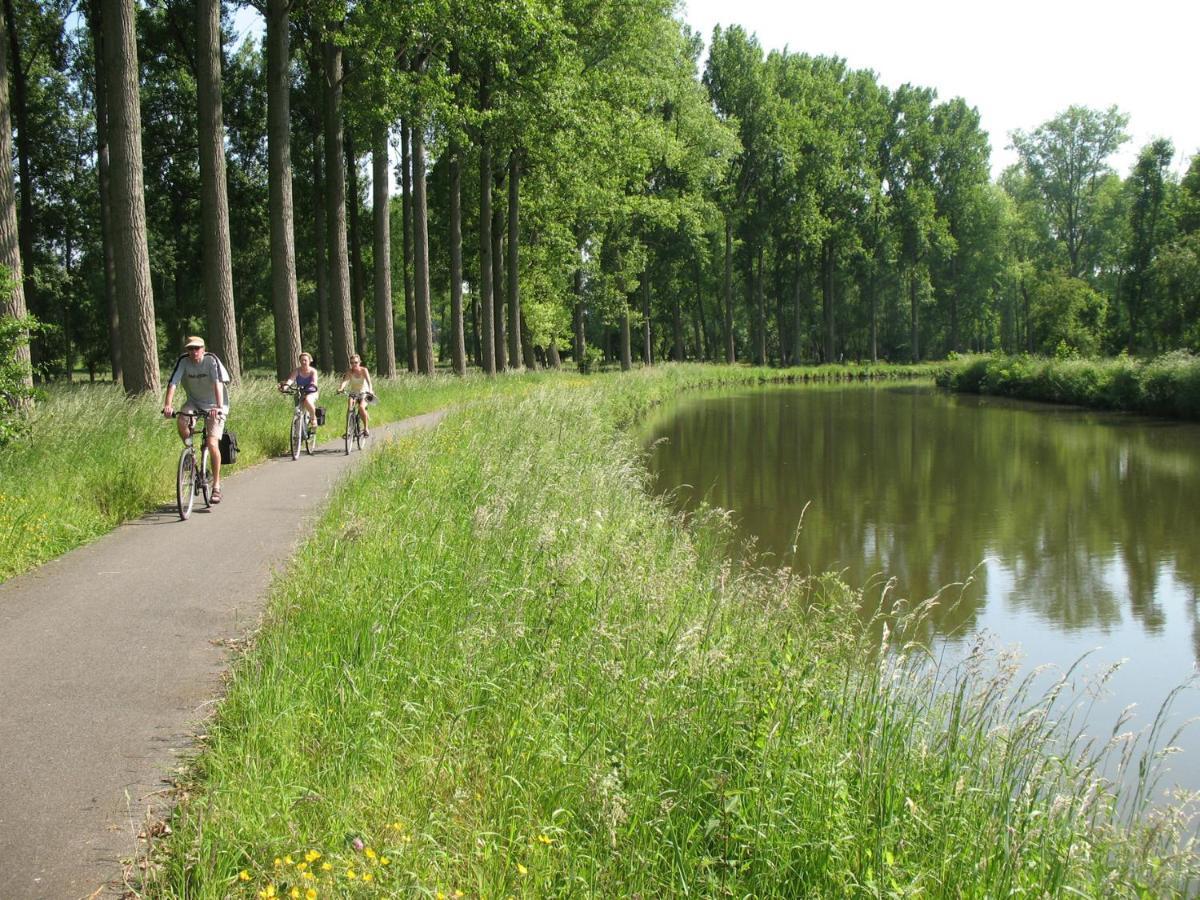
(1020, 63)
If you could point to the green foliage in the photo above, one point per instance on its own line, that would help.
(15, 390)
(1168, 385)
(1066, 311)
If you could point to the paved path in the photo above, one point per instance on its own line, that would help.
(110, 655)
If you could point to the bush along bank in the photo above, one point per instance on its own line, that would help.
(1167, 385)
(517, 674)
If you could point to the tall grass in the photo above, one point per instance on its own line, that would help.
(519, 675)
(93, 459)
(1167, 385)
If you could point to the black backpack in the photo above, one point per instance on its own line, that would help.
(229, 448)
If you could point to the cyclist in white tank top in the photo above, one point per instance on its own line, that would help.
(358, 381)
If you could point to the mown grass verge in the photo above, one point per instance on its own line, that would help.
(1167, 385)
(518, 674)
(93, 459)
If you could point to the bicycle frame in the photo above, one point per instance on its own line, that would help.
(190, 478)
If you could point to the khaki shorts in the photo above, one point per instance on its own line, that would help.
(216, 423)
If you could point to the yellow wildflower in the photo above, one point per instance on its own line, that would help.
(310, 894)
(295, 894)
(370, 853)
(308, 876)
(300, 867)
(288, 859)
(351, 874)
(267, 892)
(384, 861)
(278, 862)
(522, 869)
(243, 875)
(367, 876)
(325, 867)
(312, 856)
(545, 839)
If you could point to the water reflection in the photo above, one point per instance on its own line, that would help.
(1090, 523)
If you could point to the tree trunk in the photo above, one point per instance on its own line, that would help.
(131, 256)
(321, 260)
(19, 110)
(702, 343)
(335, 202)
(12, 302)
(486, 302)
(677, 325)
(827, 257)
(578, 315)
(214, 196)
(760, 313)
(552, 355)
(357, 276)
(385, 337)
(730, 355)
(498, 278)
(626, 352)
(410, 306)
(421, 255)
(458, 350)
(916, 321)
(797, 312)
(514, 269)
(647, 331)
(102, 168)
(279, 177)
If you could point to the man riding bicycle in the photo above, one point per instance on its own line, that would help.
(204, 378)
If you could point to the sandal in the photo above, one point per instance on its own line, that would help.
(216, 495)
(366, 434)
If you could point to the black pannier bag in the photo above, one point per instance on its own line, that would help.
(229, 448)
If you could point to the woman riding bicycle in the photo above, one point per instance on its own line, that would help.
(358, 380)
(304, 377)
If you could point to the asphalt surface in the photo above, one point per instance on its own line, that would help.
(111, 656)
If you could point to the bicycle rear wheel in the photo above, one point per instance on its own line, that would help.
(310, 440)
(185, 482)
(297, 430)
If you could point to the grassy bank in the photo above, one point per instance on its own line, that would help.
(1168, 385)
(519, 675)
(94, 459)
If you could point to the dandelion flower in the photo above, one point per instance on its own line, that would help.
(243, 875)
(522, 869)
(370, 853)
(310, 894)
(351, 874)
(367, 876)
(312, 856)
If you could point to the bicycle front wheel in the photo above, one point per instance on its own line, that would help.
(185, 482)
(359, 440)
(351, 425)
(297, 431)
(203, 488)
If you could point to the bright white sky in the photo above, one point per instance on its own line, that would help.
(1020, 63)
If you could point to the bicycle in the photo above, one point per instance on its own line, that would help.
(189, 482)
(355, 433)
(300, 433)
